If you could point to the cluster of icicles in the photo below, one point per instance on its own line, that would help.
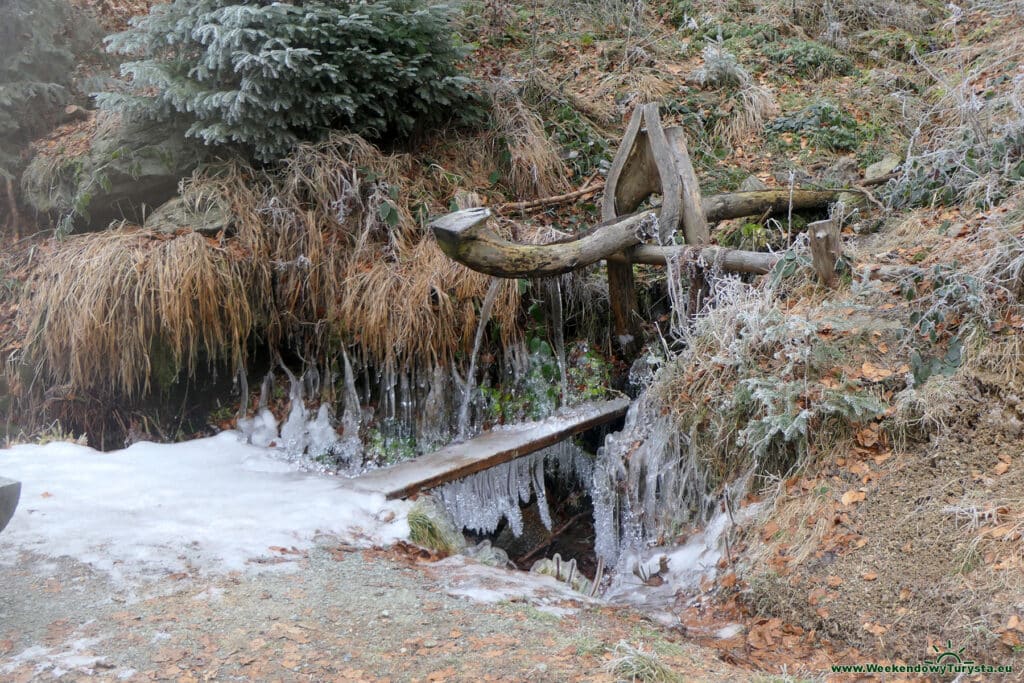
(645, 476)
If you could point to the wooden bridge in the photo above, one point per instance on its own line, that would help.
(487, 450)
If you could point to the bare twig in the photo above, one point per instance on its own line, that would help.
(584, 191)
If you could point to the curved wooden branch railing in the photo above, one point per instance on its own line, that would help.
(651, 160)
(464, 237)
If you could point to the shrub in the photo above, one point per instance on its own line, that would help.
(824, 124)
(35, 68)
(267, 76)
(808, 58)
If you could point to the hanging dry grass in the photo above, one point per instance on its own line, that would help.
(324, 252)
(535, 169)
(108, 306)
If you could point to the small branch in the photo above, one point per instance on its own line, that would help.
(584, 191)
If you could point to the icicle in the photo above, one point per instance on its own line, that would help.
(350, 447)
(293, 432)
(479, 502)
(558, 329)
(243, 391)
(469, 389)
(265, 388)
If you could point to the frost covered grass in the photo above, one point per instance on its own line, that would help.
(636, 664)
(751, 395)
(210, 505)
(967, 146)
(750, 103)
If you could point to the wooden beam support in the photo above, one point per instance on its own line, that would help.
(463, 237)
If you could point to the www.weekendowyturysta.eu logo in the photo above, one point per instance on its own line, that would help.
(946, 660)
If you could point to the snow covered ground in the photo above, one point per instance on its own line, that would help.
(209, 505)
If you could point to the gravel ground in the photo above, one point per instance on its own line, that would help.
(337, 613)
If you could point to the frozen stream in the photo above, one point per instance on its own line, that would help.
(212, 504)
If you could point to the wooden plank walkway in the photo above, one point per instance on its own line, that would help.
(487, 450)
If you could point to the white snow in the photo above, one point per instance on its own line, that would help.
(74, 656)
(689, 565)
(209, 505)
(465, 578)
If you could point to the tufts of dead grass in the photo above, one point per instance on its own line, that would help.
(323, 253)
(107, 306)
(534, 166)
(826, 18)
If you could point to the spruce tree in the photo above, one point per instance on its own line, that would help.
(35, 72)
(267, 75)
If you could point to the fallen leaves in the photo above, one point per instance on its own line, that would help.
(851, 497)
(875, 373)
(875, 629)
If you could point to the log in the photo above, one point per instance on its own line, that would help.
(492, 448)
(731, 260)
(739, 204)
(721, 207)
(695, 222)
(633, 176)
(463, 237)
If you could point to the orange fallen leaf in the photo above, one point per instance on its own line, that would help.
(875, 373)
(868, 436)
(835, 581)
(876, 629)
(1001, 468)
(869, 576)
(851, 497)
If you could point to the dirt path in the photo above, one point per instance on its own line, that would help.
(342, 614)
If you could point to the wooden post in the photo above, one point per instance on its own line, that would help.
(826, 250)
(630, 181)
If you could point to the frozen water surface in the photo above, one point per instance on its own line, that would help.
(211, 504)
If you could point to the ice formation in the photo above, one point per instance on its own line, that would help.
(646, 477)
(212, 504)
(469, 389)
(479, 502)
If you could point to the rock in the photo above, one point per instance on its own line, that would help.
(205, 215)
(887, 165)
(844, 171)
(752, 184)
(122, 171)
(10, 493)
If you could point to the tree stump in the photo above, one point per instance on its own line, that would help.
(826, 250)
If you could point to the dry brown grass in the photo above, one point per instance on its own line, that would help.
(99, 308)
(324, 253)
(751, 106)
(535, 169)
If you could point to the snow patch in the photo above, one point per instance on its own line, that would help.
(75, 656)
(209, 505)
(686, 566)
(464, 578)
